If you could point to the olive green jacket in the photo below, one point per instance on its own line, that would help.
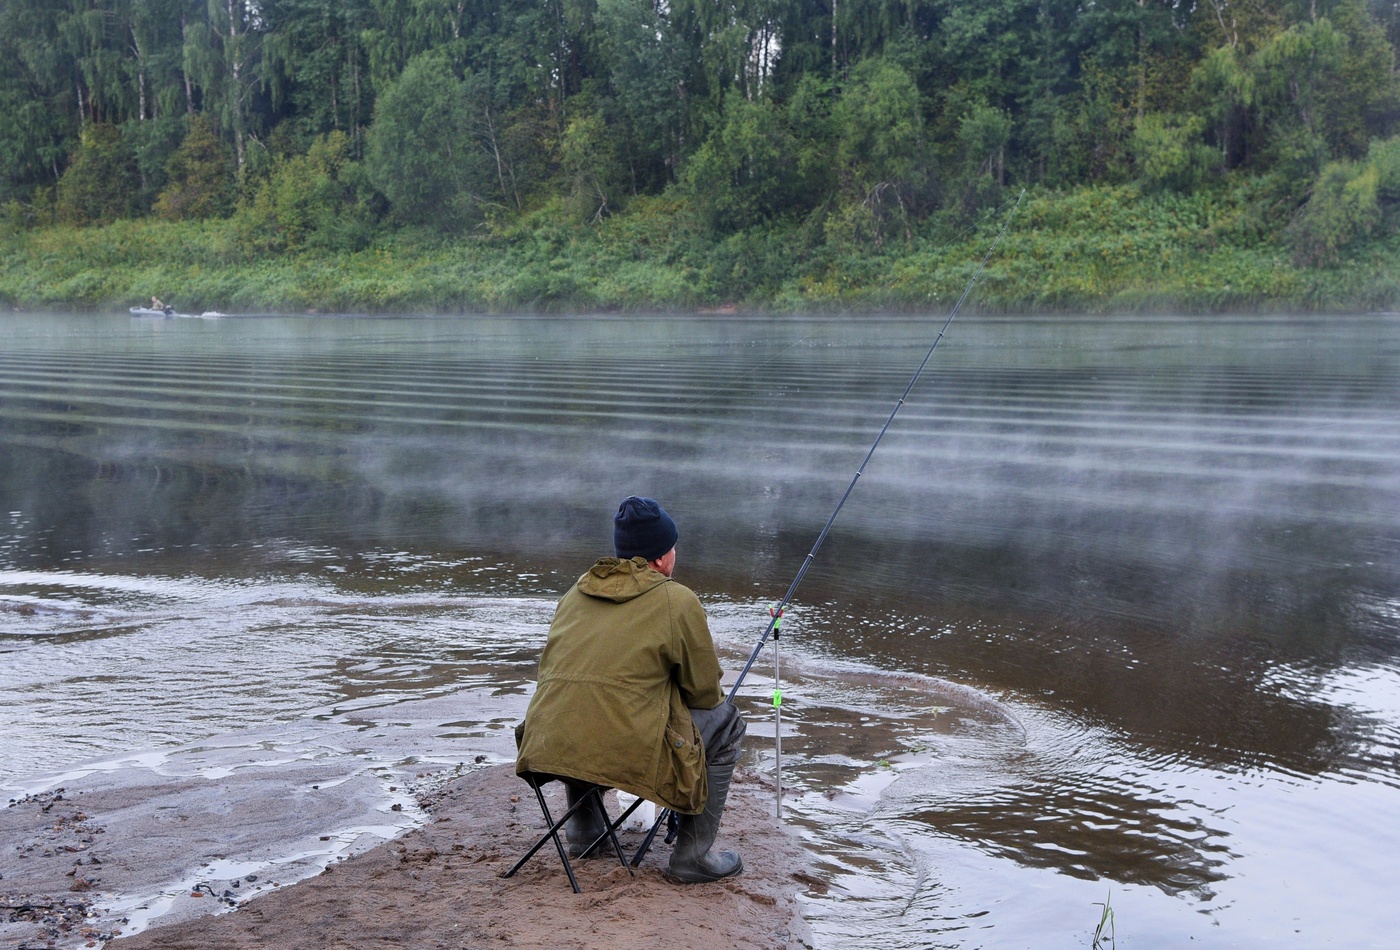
(629, 652)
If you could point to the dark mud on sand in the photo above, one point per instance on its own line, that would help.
(440, 886)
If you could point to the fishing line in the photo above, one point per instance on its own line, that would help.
(776, 613)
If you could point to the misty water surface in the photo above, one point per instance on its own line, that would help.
(1111, 616)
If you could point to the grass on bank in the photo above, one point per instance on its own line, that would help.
(1094, 249)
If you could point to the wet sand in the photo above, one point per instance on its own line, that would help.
(439, 885)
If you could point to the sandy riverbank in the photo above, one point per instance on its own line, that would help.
(437, 886)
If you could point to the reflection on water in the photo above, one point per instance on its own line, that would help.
(1159, 557)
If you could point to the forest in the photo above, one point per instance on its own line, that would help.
(496, 154)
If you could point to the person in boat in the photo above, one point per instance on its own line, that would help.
(629, 696)
(164, 308)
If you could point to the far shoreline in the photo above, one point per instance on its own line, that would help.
(1096, 251)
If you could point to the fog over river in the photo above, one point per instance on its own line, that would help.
(1113, 614)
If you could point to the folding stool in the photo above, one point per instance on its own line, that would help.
(591, 792)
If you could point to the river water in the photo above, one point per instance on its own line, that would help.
(1110, 618)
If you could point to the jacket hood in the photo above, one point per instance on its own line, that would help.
(617, 580)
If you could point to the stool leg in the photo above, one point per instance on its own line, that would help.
(661, 816)
(559, 845)
(553, 832)
(612, 833)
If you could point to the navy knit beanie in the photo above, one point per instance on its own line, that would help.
(641, 528)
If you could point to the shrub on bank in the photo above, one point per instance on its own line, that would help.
(1084, 250)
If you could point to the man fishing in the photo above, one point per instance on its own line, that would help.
(629, 696)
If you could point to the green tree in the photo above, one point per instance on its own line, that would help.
(1385, 156)
(420, 151)
(200, 176)
(1366, 103)
(1224, 92)
(809, 118)
(1313, 91)
(1241, 25)
(317, 66)
(988, 47)
(38, 122)
(588, 155)
(1170, 151)
(224, 58)
(733, 46)
(1343, 207)
(741, 174)
(645, 58)
(1386, 14)
(316, 200)
(101, 183)
(984, 135)
(878, 123)
(1294, 82)
(152, 37)
(1049, 94)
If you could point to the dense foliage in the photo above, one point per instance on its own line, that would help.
(760, 150)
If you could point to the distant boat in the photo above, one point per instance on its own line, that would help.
(149, 312)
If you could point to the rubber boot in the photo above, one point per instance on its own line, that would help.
(692, 861)
(585, 826)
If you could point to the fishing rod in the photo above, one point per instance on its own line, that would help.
(776, 614)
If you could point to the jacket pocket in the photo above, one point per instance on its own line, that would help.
(683, 771)
(676, 742)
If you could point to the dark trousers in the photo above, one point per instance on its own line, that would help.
(722, 732)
